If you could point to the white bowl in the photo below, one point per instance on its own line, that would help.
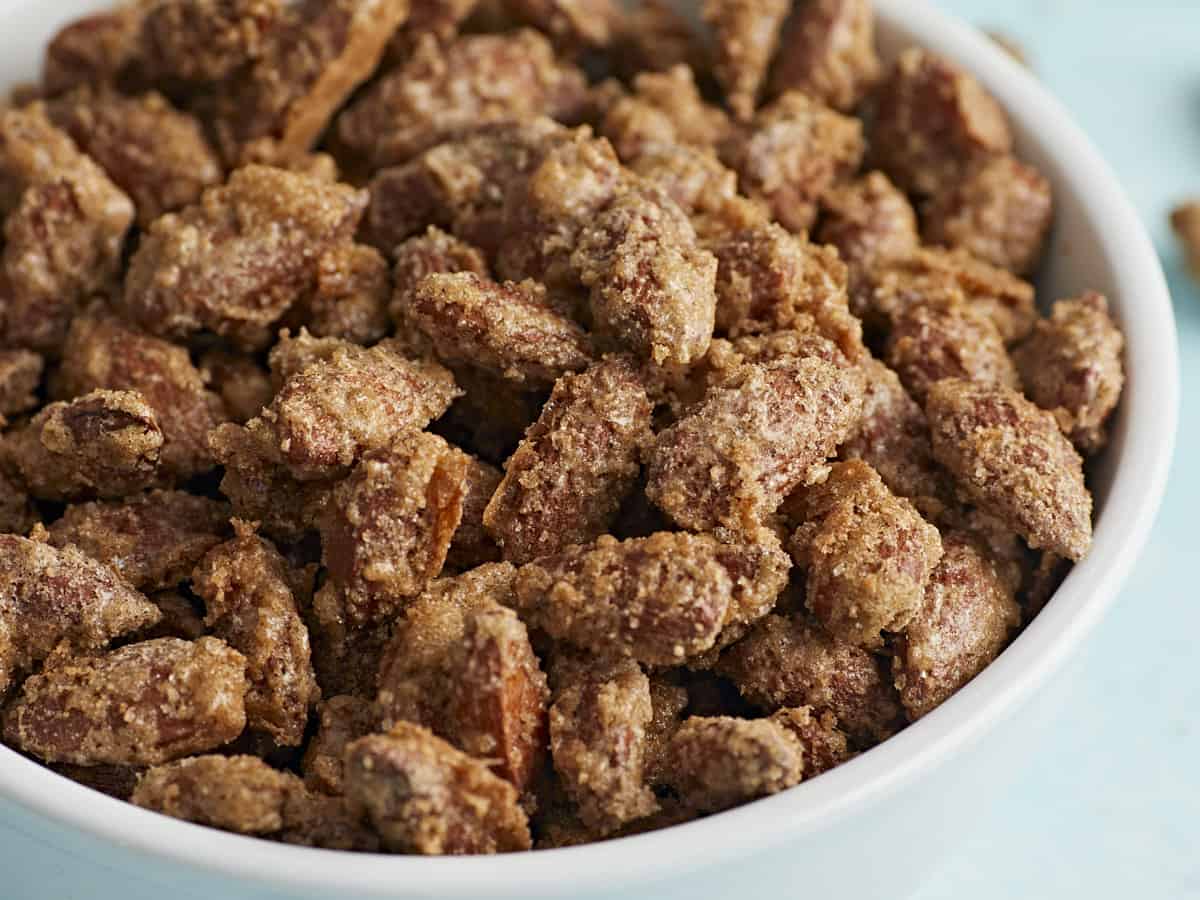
(874, 826)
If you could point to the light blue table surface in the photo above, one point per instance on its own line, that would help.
(1112, 807)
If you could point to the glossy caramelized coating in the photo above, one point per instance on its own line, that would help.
(791, 153)
(237, 793)
(660, 600)
(151, 540)
(318, 54)
(870, 222)
(424, 796)
(1010, 458)
(945, 337)
(899, 282)
(50, 596)
(388, 526)
(440, 90)
(932, 122)
(1071, 365)
(341, 719)
(106, 444)
(156, 154)
(510, 329)
(786, 662)
(101, 352)
(64, 233)
(143, 704)
(599, 733)
(868, 555)
(828, 51)
(769, 279)
(893, 438)
(567, 479)
(664, 108)
(235, 262)
(20, 376)
(964, 622)
(746, 36)
(249, 604)
(756, 436)
(349, 298)
(349, 401)
(999, 212)
(718, 762)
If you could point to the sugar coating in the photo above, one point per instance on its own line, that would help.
(868, 555)
(424, 796)
(665, 108)
(152, 540)
(1072, 365)
(105, 443)
(828, 51)
(341, 719)
(20, 375)
(567, 479)
(349, 297)
(1010, 457)
(746, 35)
(250, 605)
(143, 704)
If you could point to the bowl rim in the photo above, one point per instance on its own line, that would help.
(1151, 405)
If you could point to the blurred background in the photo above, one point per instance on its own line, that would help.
(1111, 807)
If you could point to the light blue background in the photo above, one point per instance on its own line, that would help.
(1111, 809)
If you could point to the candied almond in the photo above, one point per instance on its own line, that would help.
(746, 36)
(828, 51)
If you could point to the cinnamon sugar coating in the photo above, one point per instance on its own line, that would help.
(151, 540)
(964, 622)
(1071, 365)
(655, 36)
(791, 153)
(751, 441)
(665, 108)
(794, 662)
(350, 400)
(475, 79)
(932, 122)
(20, 376)
(106, 444)
(828, 51)
(1000, 211)
(50, 596)
(64, 233)
(103, 353)
(944, 337)
(719, 762)
(567, 479)
(1010, 457)
(242, 382)
(424, 796)
(226, 265)
(206, 40)
(509, 329)
(472, 546)
(868, 555)
(599, 732)
(746, 34)
(349, 298)
(143, 704)
(430, 253)
(249, 604)
(388, 526)
(96, 49)
(342, 719)
(156, 154)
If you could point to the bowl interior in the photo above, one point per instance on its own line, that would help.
(1097, 243)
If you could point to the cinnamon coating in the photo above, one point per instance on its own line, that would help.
(430, 253)
(349, 298)
(103, 444)
(868, 555)
(226, 265)
(50, 596)
(567, 479)
(424, 796)
(1071, 365)
(755, 437)
(151, 540)
(746, 35)
(342, 719)
(249, 604)
(143, 704)
(828, 51)
(665, 108)
(964, 622)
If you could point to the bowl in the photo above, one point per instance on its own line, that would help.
(872, 827)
